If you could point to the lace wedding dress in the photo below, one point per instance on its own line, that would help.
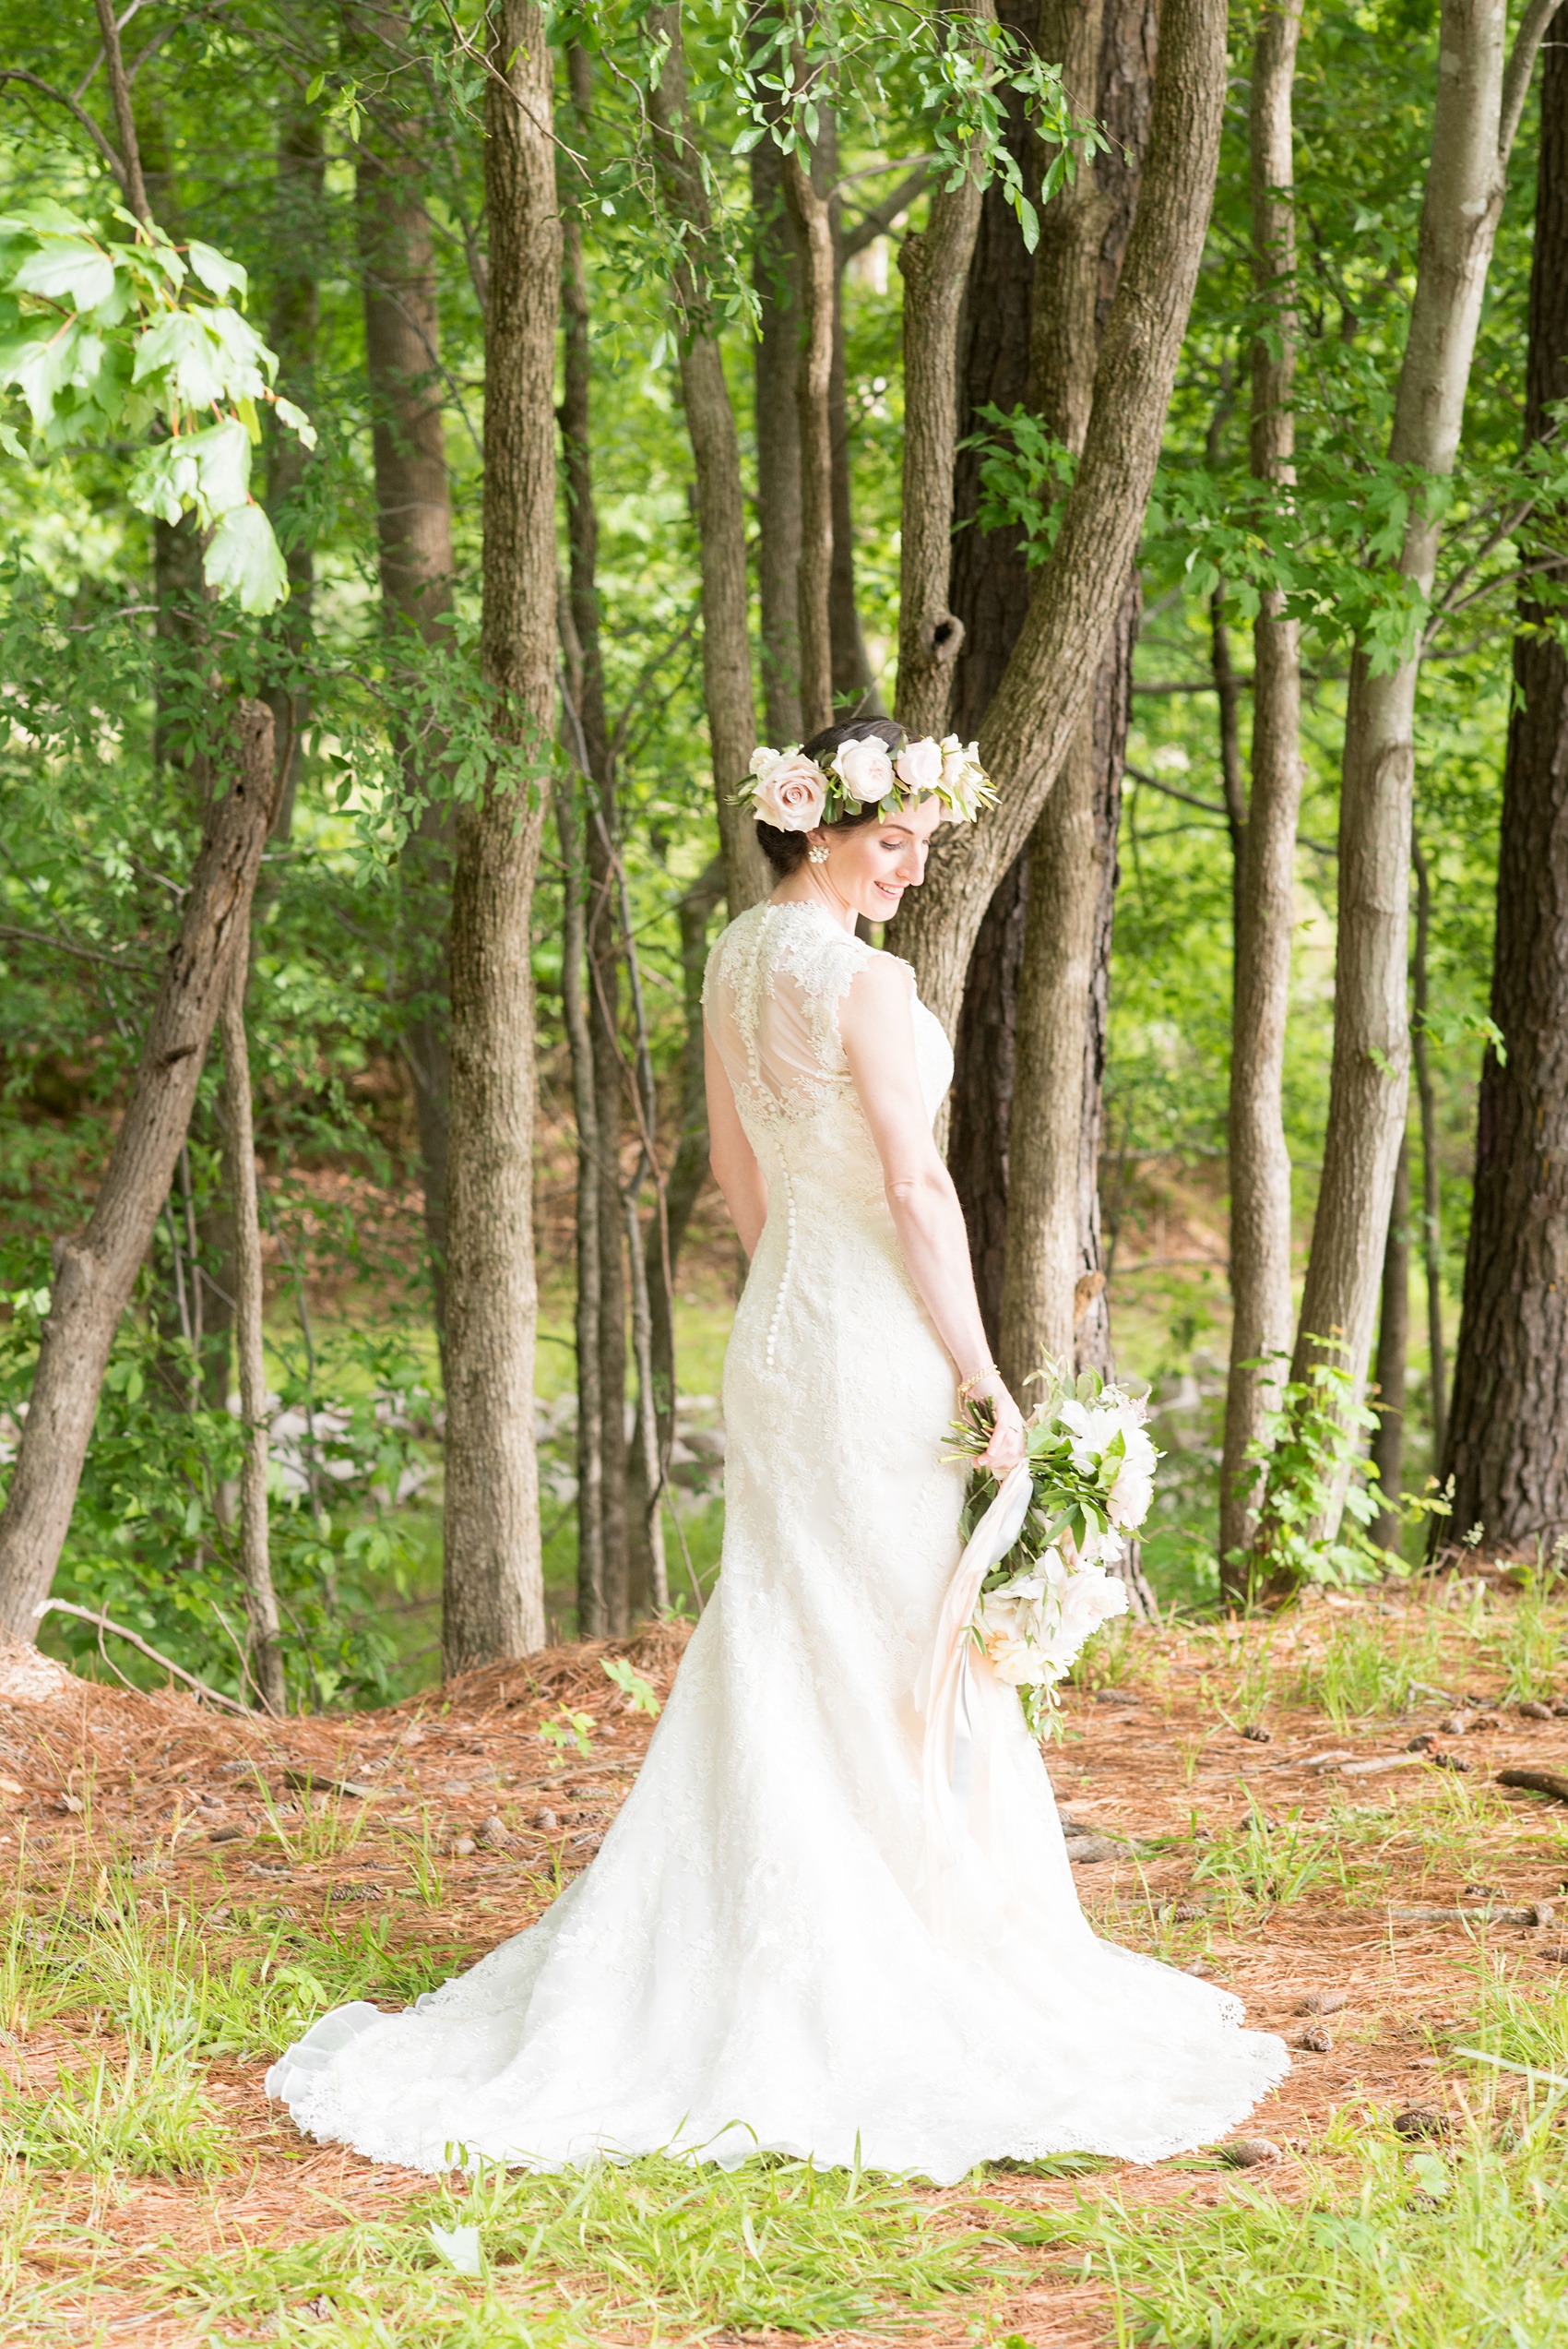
(761, 1955)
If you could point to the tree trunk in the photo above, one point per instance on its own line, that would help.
(689, 1172)
(95, 1273)
(1507, 1449)
(854, 689)
(293, 331)
(936, 267)
(818, 278)
(413, 517)
(606, 1405)
(492, 1591)
(266, 1649)
(716, 458)
(1371, 1031)
(1083, 237)
(1049, 678)
(775, 275)
(590, 1407)
(1393, 1353)
(1431, 1181)
(1265, 855)
(990, 595)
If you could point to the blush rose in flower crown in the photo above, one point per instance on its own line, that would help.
(790, 791)
(1091, 1464)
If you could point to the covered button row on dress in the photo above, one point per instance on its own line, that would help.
(788, 1264)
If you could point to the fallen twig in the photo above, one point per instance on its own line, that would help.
(67, 1606)
(1536, 1782)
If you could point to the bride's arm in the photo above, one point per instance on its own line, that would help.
(879, 1044)
(730, 1154)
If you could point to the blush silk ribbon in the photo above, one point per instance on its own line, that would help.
(955, 1779)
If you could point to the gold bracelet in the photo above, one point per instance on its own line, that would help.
(966, 1385)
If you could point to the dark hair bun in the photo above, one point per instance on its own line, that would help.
(786, 852)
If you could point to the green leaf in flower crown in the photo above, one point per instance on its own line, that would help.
(243, 560)
(216, 271)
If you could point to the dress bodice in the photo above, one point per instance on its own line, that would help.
(775, 982)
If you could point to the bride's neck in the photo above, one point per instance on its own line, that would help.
(808, 887)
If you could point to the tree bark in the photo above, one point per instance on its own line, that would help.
(1393, 1354)
(818, 283)
(1265, 855)
(1432, 1179)
(990, 595)
(776, 275)
(1056, 975)
(936, 267)
(95, 1273)
(266, 1656)
(1371, 1031)
(716, 458)
(601, 1199)
(413, 520)
(590, 1407)
(1507, 1448)
(293, 331)
(1049, 677)
(492, 1591)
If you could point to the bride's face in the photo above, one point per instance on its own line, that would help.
(870, 866)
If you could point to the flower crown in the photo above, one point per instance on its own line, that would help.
(790, 791)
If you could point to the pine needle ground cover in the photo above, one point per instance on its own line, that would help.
(1308, 1808)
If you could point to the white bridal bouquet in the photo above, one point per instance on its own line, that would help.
(1091, 1466)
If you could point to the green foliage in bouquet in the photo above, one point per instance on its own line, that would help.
(1074, 1476)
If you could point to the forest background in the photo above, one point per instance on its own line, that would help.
(711, 283)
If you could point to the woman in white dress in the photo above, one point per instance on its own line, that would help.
(763, 1956)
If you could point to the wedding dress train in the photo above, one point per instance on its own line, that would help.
(761, 1955)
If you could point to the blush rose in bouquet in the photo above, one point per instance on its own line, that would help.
(1091, 1465)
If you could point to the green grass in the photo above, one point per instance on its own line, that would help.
(773, 2245)
(148, 2116)
(174, 1989)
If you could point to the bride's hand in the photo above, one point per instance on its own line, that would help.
(1006, 1448)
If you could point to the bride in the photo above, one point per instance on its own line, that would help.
(762, 1957)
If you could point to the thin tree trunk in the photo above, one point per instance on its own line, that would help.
(292, 332)
(814, 228)
(775, 275)
(602, 937)
(590, 1410)
(1432, 1191)
(95, 1273)
(493, 1590)
(1473, 120)
(124, 121)
(413, 514)
(715, 456)
(689, 1171)
(1051, 676)
(1228, 694)
(266, 1658)
(1264, 857)
(1393, 1353)
(1507, 1435)
(936, 267)
(990, 595)
(854, 689)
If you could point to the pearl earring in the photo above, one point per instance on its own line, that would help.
(817, 855)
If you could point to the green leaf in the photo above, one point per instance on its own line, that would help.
(10, 443)
(243, 561)
(216, 271)
(180, 347)
(296, 419)
(45, 363)
(68, 269)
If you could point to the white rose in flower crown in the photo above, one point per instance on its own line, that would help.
(791, 790)
(919, 767)
(864, 769)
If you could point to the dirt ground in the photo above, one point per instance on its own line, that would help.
(1158, 1767)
